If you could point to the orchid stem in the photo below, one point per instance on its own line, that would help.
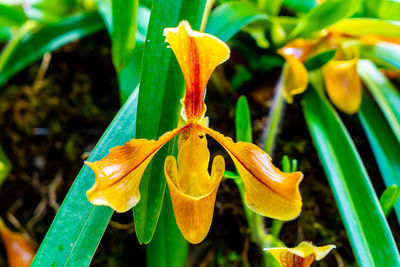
(14, 42)
(274, 118)
(209, 5)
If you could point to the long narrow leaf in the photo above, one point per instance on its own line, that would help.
(366, 226)
(168, 247)
(384, 54)
(11, 16)
(366, 26)
(123, 31)
(384, 144)
(128, 78)
(389, 198)
(78, 226)
(229, 18)
(161, 88)
(243, 121)
(300, 6)
(385, 94)
(322, 16)
(47, 39)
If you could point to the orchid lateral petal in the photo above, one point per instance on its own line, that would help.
(192, 189)
(343, 85)
(269, 192)
(118, 174)
(294, 74)
(19, 249)
(294, 78)
(301, 256)
(198, 55)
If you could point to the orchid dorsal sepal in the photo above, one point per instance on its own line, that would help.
(301, 256)
(198, 54)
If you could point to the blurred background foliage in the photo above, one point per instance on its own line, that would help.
(68, 67)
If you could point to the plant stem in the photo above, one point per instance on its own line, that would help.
(206, 13)
(274, 119)
(14, 42)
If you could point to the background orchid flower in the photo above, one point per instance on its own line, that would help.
(342, 82)
(269, 191)
(301, 256)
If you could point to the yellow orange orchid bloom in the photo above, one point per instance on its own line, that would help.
(19, 249)
(301, 256)
(343, 85)
(193, 190)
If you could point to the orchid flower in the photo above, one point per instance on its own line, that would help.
(193, 190)
(301, 256)
(343, 85)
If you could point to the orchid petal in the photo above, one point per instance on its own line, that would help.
(294, 78)
(19, 249)
(343, 85)
(118, 174)
(198, 55)
(192, 189)
(301, 256)
(295, 75)
(269, 192)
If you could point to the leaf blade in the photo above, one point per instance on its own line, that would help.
(229, 18)
(384, 144)
(385, 94)
(48, 39)
(123, 31)
(158, 111)
(78, 226)
(357, 201)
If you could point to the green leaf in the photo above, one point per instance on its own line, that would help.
(271, 7)
(168, 247)
(384, 144)
(300, 6)
(5, 33)
(371, 7)
(33, 45)
(324, 15)
(5, 166)
(243, 121)
(161, 88)
(231, 175)
(78, 226)
(229, 18)
(385, 94)
(11, 16)
(317, 61)
(389, 198)
(50, 11)
(364, 221)
(389, 9)
(105, 10)
(384, 54)
(368, 26)
(123, 31)
(128, 78)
